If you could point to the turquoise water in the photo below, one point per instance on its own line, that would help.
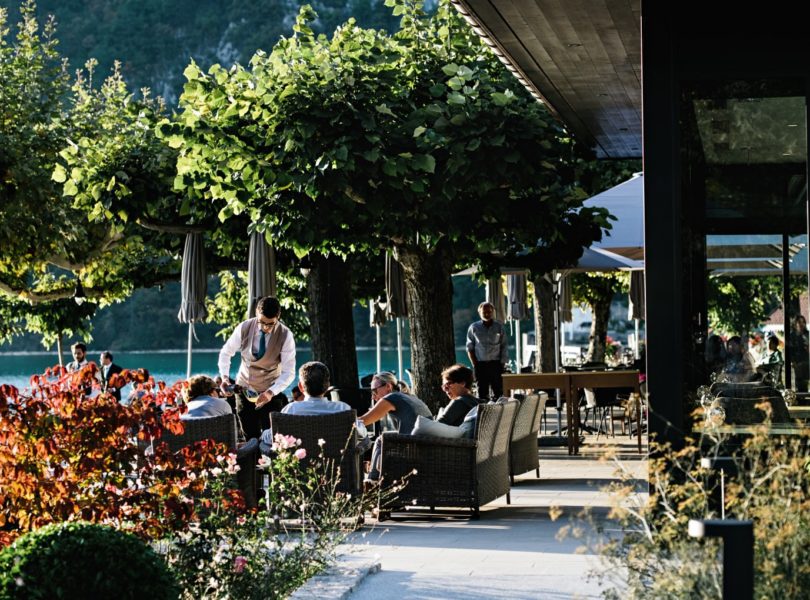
(169, 366)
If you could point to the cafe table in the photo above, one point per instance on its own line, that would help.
(568, 383)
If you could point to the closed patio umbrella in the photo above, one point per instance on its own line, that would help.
(397, 301)
(261, 271)
(194, 288)
(518, 308)
(637, 304)
(494, 295)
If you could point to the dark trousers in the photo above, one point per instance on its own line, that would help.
(254, 420)
(488, 374)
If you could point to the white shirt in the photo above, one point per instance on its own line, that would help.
(234, 345)
(312, 405)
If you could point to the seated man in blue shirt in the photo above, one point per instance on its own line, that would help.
(313, 381)
(204, 400)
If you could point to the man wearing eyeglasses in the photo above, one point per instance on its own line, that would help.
(267, 351)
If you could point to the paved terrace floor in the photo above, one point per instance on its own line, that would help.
(511, 552)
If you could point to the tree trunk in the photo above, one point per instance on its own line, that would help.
(430, 310)
(331, 323)
(544, 359)
(597, 341)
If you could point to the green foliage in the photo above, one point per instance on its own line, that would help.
(740, 305)
(82, 560)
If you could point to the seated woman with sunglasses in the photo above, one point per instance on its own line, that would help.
(389, 400)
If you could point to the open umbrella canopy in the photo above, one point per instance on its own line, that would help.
(625, 202)
(261, 271)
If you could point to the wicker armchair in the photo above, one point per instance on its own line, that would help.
(452, 472)
(221, 429)
(523, 454)
(337, 431)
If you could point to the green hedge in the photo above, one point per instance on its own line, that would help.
(81, 560)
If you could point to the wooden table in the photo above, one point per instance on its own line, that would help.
(545, 381)
(568, 383)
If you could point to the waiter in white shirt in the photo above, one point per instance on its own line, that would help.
(267, 351)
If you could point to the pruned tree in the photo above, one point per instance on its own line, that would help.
(419, 141)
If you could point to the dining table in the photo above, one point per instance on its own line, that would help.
(569, 383)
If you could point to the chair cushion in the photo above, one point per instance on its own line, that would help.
(425, 426)
(468, 426)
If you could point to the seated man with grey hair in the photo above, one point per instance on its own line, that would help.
(313, 381)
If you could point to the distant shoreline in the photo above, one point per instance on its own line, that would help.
(167, 351)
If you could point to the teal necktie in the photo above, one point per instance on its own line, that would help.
(262, 347)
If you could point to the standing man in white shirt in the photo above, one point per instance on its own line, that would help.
(267, 351)
(486, 347)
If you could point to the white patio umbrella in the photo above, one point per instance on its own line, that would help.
(625, 202)
(194, 288)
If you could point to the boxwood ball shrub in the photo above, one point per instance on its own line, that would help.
(82, 560)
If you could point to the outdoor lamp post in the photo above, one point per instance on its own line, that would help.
(738, 553)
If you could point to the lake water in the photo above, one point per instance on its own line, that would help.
(170, 366)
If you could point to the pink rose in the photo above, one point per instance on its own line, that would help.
(300, 454)
(239, 564)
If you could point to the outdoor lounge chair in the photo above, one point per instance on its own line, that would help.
(221, 429)
(466, 473)
(337, 430)
(523, 454)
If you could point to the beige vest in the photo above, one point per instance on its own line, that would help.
(258, 375)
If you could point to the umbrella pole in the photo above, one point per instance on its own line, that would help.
(557, 350)
(638, 352)
(379, 350)
(399, 348)
(518, 357)
(188, 362)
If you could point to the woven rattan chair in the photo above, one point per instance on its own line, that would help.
(221, 429)
(523, 454)
(465, 473)
(337, 431)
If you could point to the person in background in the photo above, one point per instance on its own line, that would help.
(107, 370)
(800, 353)
(204, 400)
(770, 367)
(313, 381)
(79, 351)
(739, 365)
(297, 394)
(715, 354)
(773, 356)
(457, 382)
(403, 408)
(267, 351)
(486, 347)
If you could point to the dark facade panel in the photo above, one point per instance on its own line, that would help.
(583, 58)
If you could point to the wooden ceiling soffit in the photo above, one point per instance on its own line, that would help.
(582, 58)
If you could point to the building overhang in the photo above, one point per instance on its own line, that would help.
(581, 58)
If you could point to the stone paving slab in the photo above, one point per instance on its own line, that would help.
(511, 552)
